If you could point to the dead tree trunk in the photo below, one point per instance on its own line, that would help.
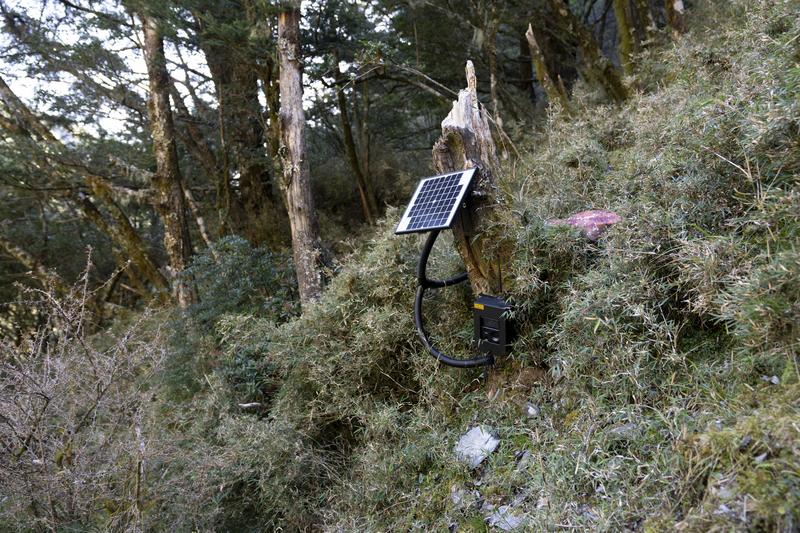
(168, 196)
(555, 93)
(369, 205)
(306, 246)
(466, 142)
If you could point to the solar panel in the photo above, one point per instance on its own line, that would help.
(435, 202)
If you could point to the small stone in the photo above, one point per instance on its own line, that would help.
(761, 458)
(590, 515)
(476, 445)
(774, 380)
(745, 442)
(504, 518)
(724, 493)
(542, 502)
(532, 410)
(723, 510)
(457, 495)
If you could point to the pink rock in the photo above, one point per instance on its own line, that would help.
(592, 223)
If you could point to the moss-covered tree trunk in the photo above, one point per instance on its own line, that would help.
(306, 245)
(625, 35)
(119, 229)
(645, 24)
(595, 68)
(466, 142)
(168, 196)
(241, 129)
(48, 278)
(122, 233)
(555, 93)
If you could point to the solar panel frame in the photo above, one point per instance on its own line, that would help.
(435, 202)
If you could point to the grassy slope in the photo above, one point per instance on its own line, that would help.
(645, 351)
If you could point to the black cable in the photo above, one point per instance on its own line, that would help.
(424, 283)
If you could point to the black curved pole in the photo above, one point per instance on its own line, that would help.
(424, 283)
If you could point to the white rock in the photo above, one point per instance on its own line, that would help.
(532, 410)
(476, 445)
(457, 495)
(504, 518)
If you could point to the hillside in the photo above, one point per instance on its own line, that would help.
(661, 362)
(654, 384)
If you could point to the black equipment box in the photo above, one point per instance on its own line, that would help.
(493, 326)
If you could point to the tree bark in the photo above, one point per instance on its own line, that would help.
(555, 93)
(271, 92)
(306, 245)
(369, 206)
(675, 11)
(491, 52)
(242, 133)
(466, 142)
(364, 130)
(625, 35)
(168, 195)
(595, 68)
(525, 69)
(645, 23)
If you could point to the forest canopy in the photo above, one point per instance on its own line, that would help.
(147, 131)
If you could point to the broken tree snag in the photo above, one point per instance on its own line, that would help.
(555, 93)
(466, 142)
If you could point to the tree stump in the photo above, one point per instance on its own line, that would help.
(466, 142)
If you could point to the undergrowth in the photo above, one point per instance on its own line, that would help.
(654, 384)
(662, 360)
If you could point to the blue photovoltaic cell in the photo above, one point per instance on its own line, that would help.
(434, 203)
